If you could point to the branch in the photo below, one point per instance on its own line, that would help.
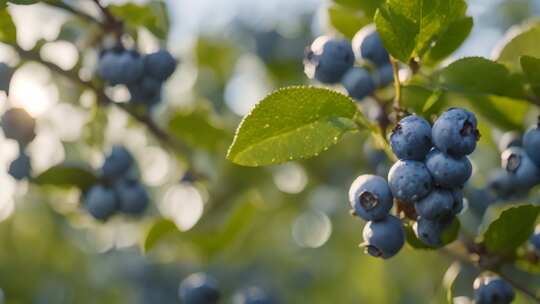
(73, 10)
(467, 260)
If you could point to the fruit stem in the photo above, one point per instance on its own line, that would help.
(72, 10)
(397, 86)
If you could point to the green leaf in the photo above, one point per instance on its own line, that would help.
(449, 41)
(367, 7)
(8, 33)
(67, 175)
(5, 77)
(423, 101)
(479, 75)
(24, 2)
(409, 28)
(531, 68)
(198, 129)
(156, 232)
(510, 229)
(292, 123)
(153, 16)
(346, 21)
(523, 41)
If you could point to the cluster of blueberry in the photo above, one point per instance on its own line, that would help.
(492, 289)
(520, 161)
(200, 288)
(331, 60)
(426, 177)
(18, 125)
(143, 75)
(119, 189)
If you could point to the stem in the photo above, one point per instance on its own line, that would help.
(397, 85)
(466, 260)
(111, 24)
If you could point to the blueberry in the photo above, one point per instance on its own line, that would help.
(358, 83)
(199, 288)
(448, 171)
(384, 238)
(430, 232)
(479, 199)
(518, 164)
(509, 139)
(367, 42)
(327, 59)
(503, 184)
(455, 132)
(159, 65)
(492, 290)
(531, 143)
(384, 75)
(20, 168)
(411, 138)
(146, 91)
(119, 66)
(100, 202)
(132, 197)
(370, 197)
(18, 125)
(409, 181)
(117, 163)
(6, 72)
(440, 203)
(252, 295)
(534, 240)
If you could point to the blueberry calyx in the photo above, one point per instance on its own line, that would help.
(368, 200)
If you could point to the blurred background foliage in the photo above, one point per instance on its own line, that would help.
(285, 227)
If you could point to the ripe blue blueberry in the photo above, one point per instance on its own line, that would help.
(411, 138)
(119, 66)
(358, 83)
(101, 202)
(159, 65)
(384, 75)
(132, 197)
(430, 231)
(145, 91)
(370, 197)
(117, 163)
(384, 238)
(440, 203)
(20, 168)
(509, 139)
(492, 290)
(199, 288)
(327, 59)
(409, 181)
(252, 295)
(367, 42)
(479, 199)
(455, 132)
(448, 171)
(18, 125)
(518, 164)
(503, 184)
(531, 143)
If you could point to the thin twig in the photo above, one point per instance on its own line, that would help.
(397, 86)
(73, 10)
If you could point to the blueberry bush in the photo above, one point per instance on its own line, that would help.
(248, 165)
